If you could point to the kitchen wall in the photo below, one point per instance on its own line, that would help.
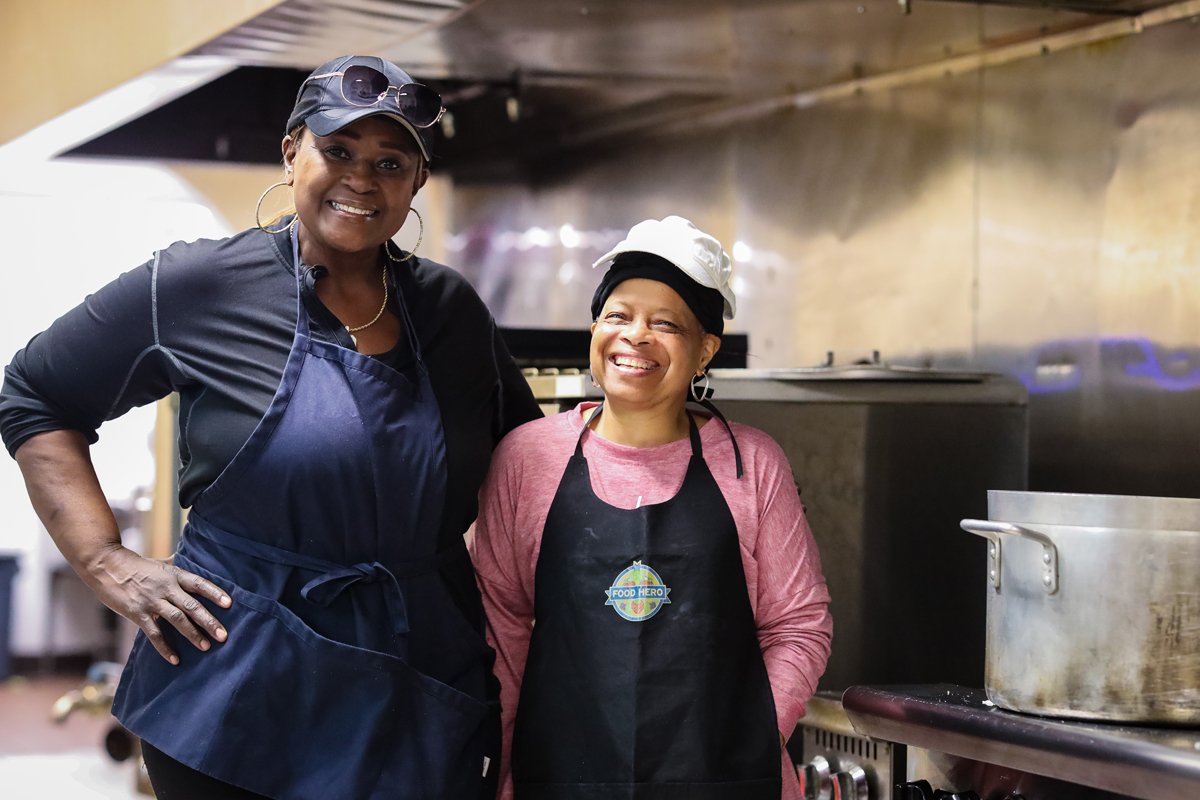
(1035, 218)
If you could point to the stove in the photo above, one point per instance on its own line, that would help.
(947, 742)
(836, 762)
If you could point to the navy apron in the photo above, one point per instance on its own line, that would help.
(349, 670)
(645, 678)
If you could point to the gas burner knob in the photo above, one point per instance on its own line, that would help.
(816, 781)
(914, 790)
(851, 784)
(921, 790)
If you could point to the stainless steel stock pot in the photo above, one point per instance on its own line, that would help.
(1093, 605)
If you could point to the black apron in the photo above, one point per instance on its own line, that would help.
(645, 678)
(349, 672)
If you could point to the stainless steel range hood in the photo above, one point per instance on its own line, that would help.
(536, 79)
(1126, 7)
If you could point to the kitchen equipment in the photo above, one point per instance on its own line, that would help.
(1093, 605)
(8, 570)
(95, 697)
(835, 762)
(885, 457)
(955, 740)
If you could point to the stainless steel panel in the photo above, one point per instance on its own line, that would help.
(884, 474)
(536, 78)
(1095, 6)
(1033, 219)
(1096, 511)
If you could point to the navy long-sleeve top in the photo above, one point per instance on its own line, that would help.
(214, 320)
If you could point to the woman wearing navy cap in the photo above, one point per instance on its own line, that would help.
(652, 588)
(319, 631)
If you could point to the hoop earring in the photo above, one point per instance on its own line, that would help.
(704, 393)
(258, 210)
(420, 236)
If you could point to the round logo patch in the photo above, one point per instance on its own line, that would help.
(637, 593)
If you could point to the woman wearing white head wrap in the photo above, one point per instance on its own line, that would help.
(681, 616)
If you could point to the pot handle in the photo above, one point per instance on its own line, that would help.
(991, 531)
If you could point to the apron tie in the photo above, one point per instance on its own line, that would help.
(334, 578)
(324, 589)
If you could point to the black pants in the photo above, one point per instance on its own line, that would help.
(174, 781)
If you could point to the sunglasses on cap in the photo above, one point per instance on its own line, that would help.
(363, 86)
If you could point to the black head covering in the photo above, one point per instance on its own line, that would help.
(707, 304)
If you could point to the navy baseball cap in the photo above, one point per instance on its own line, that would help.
(349, 88)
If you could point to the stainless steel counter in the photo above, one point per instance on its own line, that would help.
(1137, 762)
(873, 383)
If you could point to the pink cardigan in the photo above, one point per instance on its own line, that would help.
(783, 569)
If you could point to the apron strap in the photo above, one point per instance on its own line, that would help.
(737, 453)
(693, 433)
(306, 282)
(410, 326)
(587, 424)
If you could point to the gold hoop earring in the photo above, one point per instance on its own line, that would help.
(258, 210)
(387, 248)
(420, 236)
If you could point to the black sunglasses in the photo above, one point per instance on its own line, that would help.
(364, 86)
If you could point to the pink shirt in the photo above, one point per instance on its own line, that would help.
(783, 569)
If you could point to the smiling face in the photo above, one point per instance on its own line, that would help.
(353, 188)
(647, 345)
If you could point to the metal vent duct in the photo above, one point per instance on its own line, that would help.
(304, 33)
(1123, 7)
